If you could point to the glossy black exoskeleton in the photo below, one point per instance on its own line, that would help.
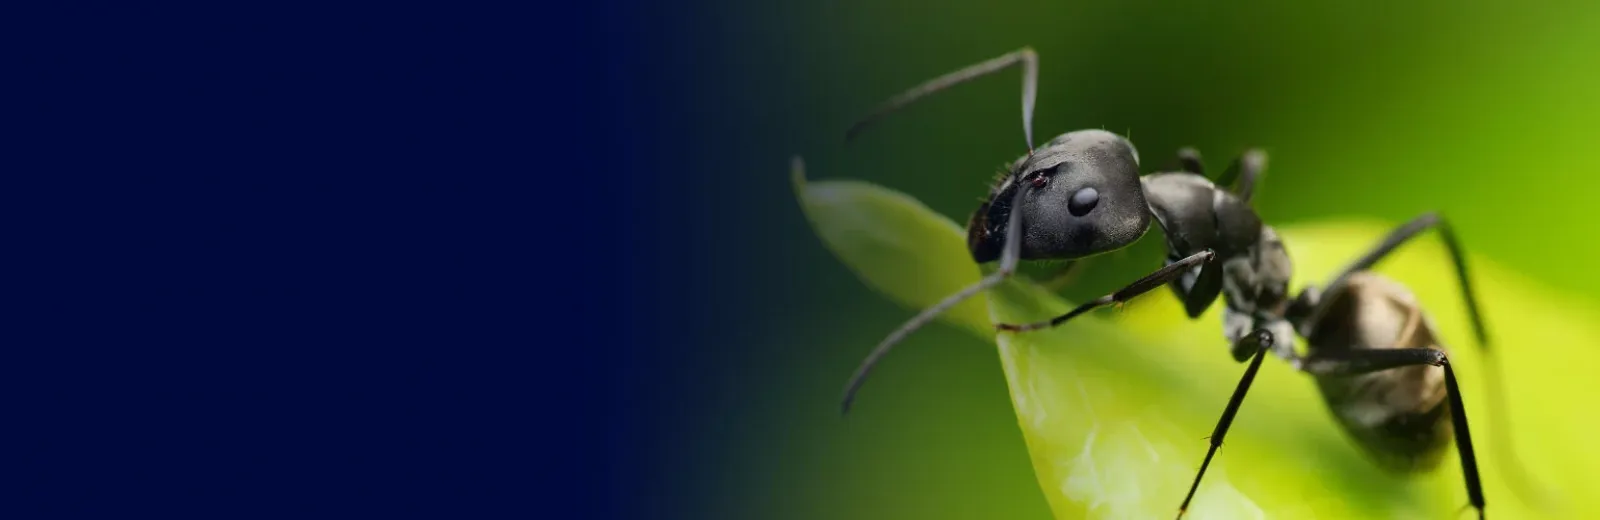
(1374, 354)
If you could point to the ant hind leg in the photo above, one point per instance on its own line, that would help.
(1352, 362)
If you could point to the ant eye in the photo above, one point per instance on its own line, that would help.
(1083, 201)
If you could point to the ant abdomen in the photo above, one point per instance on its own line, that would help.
(1399, 416)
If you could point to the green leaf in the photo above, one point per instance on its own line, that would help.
(1115, 406)
(895, 244)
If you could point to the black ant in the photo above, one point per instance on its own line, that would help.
(1373, 352)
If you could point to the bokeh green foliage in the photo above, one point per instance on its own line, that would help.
(1371, 112)
(1111, 405)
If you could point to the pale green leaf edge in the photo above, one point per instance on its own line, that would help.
(850, 214)
(1079, 466)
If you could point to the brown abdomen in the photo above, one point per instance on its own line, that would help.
(1400, 416)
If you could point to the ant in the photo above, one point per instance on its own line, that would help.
(1373, 352)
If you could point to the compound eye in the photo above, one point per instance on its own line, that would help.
(1083, 201)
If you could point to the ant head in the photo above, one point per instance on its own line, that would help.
(1083, 198)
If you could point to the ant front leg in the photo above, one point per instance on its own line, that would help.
(1363, 361)
(1161, 277)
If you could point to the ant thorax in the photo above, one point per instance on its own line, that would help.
(1251, 269)
(1255, 288)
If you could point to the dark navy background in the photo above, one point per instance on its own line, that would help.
(454, 261)
(383, 259)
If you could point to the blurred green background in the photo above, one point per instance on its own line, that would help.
(1380, 111)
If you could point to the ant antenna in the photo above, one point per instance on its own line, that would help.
(1030, 88)
(1009, 257)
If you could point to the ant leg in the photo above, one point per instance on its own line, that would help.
(1198, 296)
(1365, 361)
(1397, 237)
(1246, 170)
(1143, 285)
(1010, 255)
(1260, 340)
(1030, 88)
(1515, 474)
(1189, 161)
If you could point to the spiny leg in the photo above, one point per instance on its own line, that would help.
(1030, 87)
(1364, 361)
(1246, 170)
(1161, 277)
(1010, 255)
(1261, 341)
